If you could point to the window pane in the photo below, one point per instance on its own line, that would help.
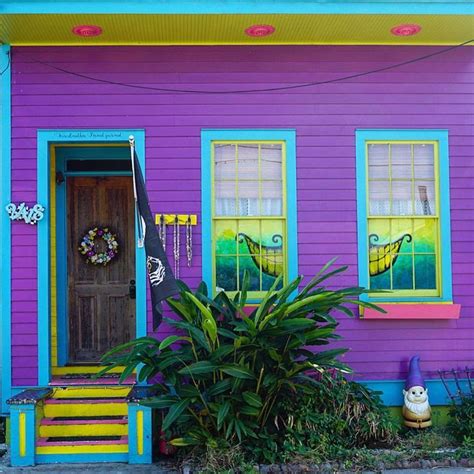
(224, 166)
(248, 161)
(252, 266)
(402, 272)
(379, 198)
(226, 237)
(380, 281)
(249, 203)
(425, 272)
(378, 161)
(402, 235)
(425, 236)
(272, 248)
(379, 231)
(401, 162)
(225, 198)
(402, 204)
(271, 202)
(226, 273)
(249, 237)
(425, 199)
(379, 255)
(271, 162)
(424, 161)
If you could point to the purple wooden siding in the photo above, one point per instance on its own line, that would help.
(435, 93)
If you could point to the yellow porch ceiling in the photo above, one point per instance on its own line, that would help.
(221, 29)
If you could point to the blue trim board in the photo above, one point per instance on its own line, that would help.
(62, 330)
(28, 459)
(244, 7)
(392, 391)
(134, 457)
(210, 135)
(440, 136)
(5, 230)
(47, 138)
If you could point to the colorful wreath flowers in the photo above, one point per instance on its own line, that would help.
(88, 246)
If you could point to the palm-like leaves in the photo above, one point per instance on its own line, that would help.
(221, 377)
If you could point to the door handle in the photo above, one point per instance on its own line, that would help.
(132, 290)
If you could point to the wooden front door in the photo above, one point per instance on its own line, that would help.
(101, 308)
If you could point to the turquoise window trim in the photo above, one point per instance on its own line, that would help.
(236, 7)
(94, 136)
(440, 136)
(210, 135)
(5, 230)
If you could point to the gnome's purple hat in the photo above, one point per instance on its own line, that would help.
(414, 374)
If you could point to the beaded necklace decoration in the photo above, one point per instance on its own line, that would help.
(162, 231)
(189, 241)
(176, 245)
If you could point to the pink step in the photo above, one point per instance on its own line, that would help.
(45, 442)
(62, 382)
(73, 421)
(82, 401)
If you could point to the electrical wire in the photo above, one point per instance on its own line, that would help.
(248, 91)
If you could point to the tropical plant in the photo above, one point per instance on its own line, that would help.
(221, 376)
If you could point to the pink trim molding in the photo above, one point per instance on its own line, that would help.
(414, 311)
(45, 442)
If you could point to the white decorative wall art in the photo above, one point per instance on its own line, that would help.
(23, 213)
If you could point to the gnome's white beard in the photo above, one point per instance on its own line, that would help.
(417, 408)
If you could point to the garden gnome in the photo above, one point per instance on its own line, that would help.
(416, 408)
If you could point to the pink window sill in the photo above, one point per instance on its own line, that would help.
(414, 311)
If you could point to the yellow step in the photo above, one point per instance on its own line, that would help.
(44, 446)
(91, 392)
(54, 408)
(51, 427)
(83, 369)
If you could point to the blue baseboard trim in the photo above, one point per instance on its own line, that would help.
(392, 391)
(81, 458)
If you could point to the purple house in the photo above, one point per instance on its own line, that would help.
(273, 136)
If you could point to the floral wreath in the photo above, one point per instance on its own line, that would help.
(87, 246)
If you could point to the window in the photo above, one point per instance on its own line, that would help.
(403, 214)
(249, 208)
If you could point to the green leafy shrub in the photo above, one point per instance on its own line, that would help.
(337, 414)
(461, 424)
(223, 377)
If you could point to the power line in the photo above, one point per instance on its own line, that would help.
(248, 91)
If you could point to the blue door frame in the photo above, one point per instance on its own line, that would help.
(46, 139)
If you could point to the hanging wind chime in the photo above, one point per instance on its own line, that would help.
(177, 221)
(189, 241)
(176, 245)
(162, 231)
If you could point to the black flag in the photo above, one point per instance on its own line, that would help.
(161, 278)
